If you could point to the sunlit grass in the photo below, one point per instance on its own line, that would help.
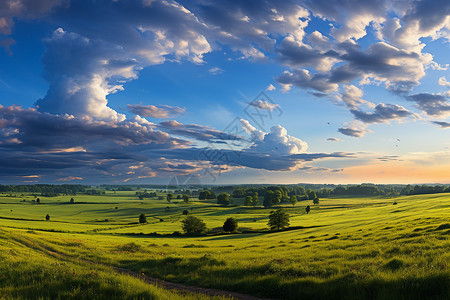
(350, 248)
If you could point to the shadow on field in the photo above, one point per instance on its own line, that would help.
(265, 280)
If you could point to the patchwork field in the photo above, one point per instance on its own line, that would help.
(345, 248)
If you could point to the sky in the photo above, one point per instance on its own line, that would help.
(224, 92)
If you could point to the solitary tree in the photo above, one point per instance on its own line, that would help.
(193, 225)
(230, 225)
(293, 200)
(38, 201)
(142, 218)
(47, 217)
(308, 209)
(316, 201)
(185, 197)
(223, 199)
(278, 219)
(185, 212)
(169, 197)
(72, 200)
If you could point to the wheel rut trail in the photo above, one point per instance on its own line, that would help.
(40, 247)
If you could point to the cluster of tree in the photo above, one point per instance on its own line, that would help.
(206, 194)
(68, 189)
(224, 199)
(272, 198)
(424, 189)
(278, 219)
(183, 191)
(311, 192)
(252, 200)
(184, 197)
(286, 191)
(145, 194)
(381, 190)
(94, 192)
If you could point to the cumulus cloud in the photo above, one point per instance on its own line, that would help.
(419, 19)
(431, 104)
(302, 78)
(252, 28)
(271, 87)
(354, 16)
(354, 129)
(276, 142)
(84, 64)
(159, 112)
(443, 81)
(264, 105)
(382, 113)
(79, 76)
(297, 54)
(400, 70)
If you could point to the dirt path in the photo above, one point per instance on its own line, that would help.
(150, 280)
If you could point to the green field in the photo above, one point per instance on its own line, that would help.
(345, 248)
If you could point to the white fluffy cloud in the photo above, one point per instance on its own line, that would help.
(275, 142)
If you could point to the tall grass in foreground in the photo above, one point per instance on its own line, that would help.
(29, 274)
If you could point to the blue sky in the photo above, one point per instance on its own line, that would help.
(142, 91)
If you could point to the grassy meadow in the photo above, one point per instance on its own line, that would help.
(345, 248)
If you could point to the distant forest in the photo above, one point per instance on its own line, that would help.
(353, 190)
(304, 191)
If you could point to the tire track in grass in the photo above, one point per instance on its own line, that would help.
(49, 251)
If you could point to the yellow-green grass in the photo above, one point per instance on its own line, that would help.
(30, 271)
(350, 248)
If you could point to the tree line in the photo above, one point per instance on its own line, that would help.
(285, 193)
(69, 189)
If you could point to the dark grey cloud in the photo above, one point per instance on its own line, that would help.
(250, 159)
(428, 13)
(333, 139)
(295, 54)
(159, 112)
(400, 70)
(198, 132)
(22, 128)
(353, 132)
(24, 9)
(250, 27)
(302, 78)
(383, 113)
(431, 104)
(442, 124)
